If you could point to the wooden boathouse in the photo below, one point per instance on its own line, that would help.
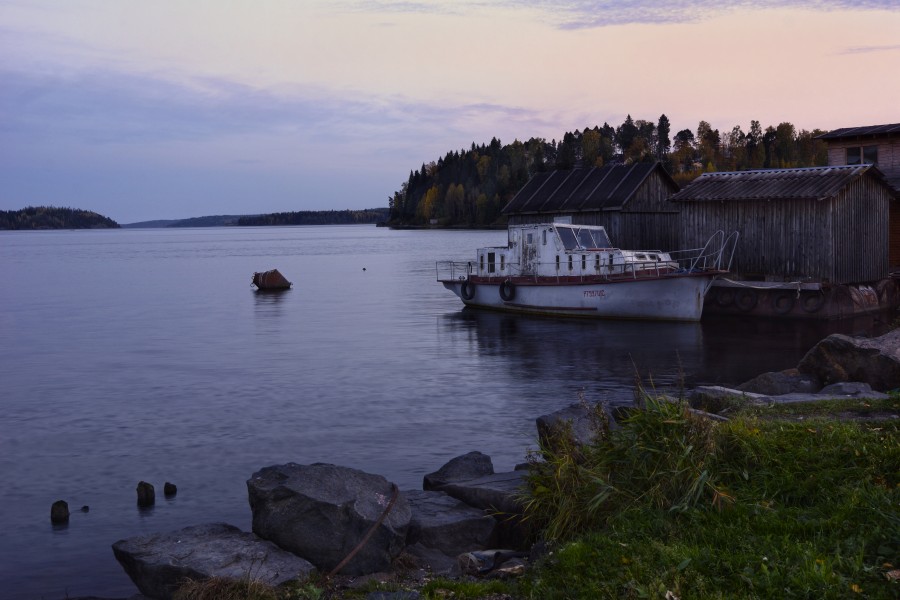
(630, 201)
(878, 145)
(813, 241)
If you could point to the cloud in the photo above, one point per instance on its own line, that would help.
(868, 49)
(585, 14)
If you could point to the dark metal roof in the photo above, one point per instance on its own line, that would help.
(597, 188)
(815, 183)
(856, 132)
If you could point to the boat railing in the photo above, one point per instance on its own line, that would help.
(716, 255)
(449, 270)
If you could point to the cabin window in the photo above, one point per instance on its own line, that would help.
(491, 260)
(610, 260)
(583, 262)
(570, 262)
(502, 262)
(530, 238)
(481, 263)
(859, 155)
(544, 236)
(557, 262)
(597, 262)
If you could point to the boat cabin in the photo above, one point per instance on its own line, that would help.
(561, 249)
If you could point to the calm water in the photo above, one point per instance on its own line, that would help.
(144, 355)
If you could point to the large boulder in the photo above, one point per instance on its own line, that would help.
(322, 512)
(777, 383)
(838, 358)
(468, 466)
(444, 523)
(159, 563)
(582, 421)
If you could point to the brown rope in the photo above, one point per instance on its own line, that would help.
(376, 525)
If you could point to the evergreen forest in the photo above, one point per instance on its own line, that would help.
(50, 217)
(469, 188)
(318, 217)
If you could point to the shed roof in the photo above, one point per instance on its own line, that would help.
(856, 132)
(814, 183)
(597, 188)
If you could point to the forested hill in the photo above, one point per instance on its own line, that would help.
(469, 188)
(49, 217)
(319, 217)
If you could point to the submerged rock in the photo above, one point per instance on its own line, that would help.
(159, 563)
(322, 512)
(59, 512)
(146, 495)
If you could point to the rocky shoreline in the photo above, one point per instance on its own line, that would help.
(353, 526)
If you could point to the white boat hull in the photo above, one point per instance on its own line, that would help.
(671, 297)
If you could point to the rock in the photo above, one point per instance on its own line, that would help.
(716, 399)
(852, 388)
(582, 420)
(169, 489)
(839, 358)
(146, 495)
(85, 508)
(468, 466)
(322, 512)
(437, 562)
(498, 494)
(158, 563)
(444, 523)
(781, 382)
(59, 512)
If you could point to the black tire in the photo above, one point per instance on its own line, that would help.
(746, 299)
(783, 302)
(812, 302)
(725, 297)
(507, 291)
(467, 291)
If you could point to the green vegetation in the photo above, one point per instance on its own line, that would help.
(469, 188)
(675, 505)
(318, 217)
(50, 217)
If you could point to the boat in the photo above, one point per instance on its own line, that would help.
(573, 270)
(270, 281)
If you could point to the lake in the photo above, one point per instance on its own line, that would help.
(144, 354)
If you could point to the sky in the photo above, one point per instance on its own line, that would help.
(170, 109)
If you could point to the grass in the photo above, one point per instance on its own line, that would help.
(763, 506)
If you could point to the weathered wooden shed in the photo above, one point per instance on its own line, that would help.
(825, 224)
(630, 201)
(878, 145)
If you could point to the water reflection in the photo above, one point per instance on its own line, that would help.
(611, 356)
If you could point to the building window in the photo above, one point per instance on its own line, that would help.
(859, 155)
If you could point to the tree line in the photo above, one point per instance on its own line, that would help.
(470, 187)
(51, 217)
(318, 217)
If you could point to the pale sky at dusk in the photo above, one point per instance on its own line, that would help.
(160, 109)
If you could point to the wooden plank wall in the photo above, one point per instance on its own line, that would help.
(841, 240)
(894, 235)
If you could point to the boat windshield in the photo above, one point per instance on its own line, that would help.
(574, 237)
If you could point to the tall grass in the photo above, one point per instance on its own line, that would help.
(675, 505)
